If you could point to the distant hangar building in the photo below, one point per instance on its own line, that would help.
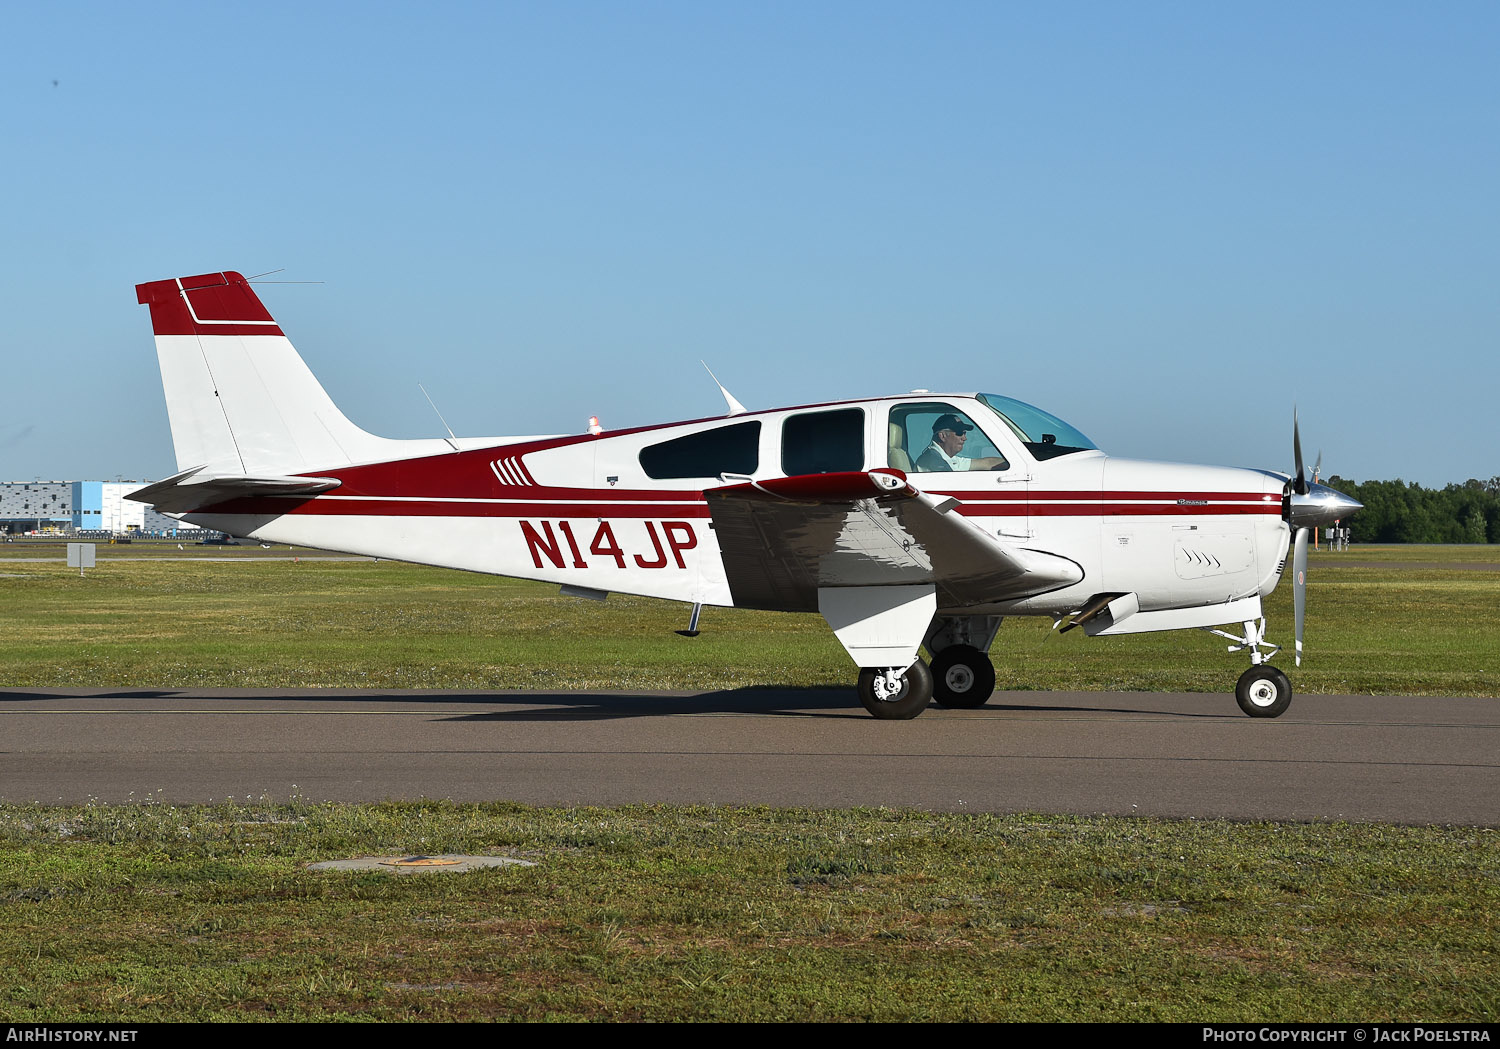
(81, 506)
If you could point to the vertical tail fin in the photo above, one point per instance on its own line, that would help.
(240, 400)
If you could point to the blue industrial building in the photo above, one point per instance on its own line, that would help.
(79, 506)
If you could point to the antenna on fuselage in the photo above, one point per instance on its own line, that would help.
(735, 407)
(452, 437)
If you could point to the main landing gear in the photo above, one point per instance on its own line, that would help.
(961, 675)
(894, 694)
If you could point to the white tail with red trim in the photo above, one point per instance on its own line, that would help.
(240, 400)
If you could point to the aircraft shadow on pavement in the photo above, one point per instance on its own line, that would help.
(800, 702)
(830, 703)
(583, 704)
(553, 706)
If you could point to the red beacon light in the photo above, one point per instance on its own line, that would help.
(594, 426)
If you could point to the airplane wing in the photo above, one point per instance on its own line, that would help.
(783, 539)
(193, 489)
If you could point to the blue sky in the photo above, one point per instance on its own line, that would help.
(1166, 222)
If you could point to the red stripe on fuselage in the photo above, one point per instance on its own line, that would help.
(1095, 509)
(514, 502)
(1122, 496)
(469, 475)
(1115, 504)
(438, 507)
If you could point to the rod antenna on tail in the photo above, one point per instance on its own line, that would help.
(281, 269)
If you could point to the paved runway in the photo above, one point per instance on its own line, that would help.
(1399, 759)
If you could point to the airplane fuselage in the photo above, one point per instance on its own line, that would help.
(584, 511)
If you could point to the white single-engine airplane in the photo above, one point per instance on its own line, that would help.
(909, 521)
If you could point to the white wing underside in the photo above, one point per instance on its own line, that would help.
(780, 551)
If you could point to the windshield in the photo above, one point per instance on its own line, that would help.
(1045, 436)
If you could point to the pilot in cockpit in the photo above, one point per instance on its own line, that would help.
(949, 433)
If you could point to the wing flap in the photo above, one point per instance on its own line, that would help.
(784, 539)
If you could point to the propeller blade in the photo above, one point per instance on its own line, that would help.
(1299, 589)
(1299, 479)
(1318, 466)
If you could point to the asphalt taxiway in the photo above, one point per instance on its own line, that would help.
(1378, 758)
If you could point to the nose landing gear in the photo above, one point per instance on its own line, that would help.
(1262, 691)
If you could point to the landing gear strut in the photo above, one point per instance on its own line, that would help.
(895, 694)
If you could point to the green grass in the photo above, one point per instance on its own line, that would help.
(1382, 620)
(155, 912)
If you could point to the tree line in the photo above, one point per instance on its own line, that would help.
(1402, 512)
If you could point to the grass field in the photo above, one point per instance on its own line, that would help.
(161, 912)
(1381, 620)
(156, 912)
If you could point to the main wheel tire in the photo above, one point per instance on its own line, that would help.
(911, 700)
(1263, 692)
(962, 677)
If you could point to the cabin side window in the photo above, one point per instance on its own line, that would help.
(823, 442)
(708, 453)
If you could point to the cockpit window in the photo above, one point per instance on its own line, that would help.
(1045, 435)
(936, 437)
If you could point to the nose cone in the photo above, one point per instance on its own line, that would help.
(1320, 506)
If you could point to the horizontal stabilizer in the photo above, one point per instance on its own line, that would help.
(194, 490)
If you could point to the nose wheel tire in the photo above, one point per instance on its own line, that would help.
(909, 699)
(962, 677)
(1263, 692)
